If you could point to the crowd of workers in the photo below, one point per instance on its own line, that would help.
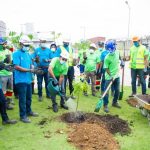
(101, 61)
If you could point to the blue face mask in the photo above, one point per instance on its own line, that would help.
(25, 49)
(136, 44)
(100, 49)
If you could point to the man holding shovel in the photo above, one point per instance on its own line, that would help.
(57, 69)
(112, 66)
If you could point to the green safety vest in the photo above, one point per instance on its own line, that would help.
(139, 56)
(70, 60)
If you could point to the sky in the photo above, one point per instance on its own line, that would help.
(79, 19)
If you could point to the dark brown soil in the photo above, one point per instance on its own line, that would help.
(132, 102)
(87, 136)
(112, 123)
(145, 98)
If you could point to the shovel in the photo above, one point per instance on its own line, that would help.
(100, 102)
(121, 93)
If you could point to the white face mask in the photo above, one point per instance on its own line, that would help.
(91, 51)
(25, 49)
(62, 62)
(53, 49)
(42, 45)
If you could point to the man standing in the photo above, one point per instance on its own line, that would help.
(91, 62)
(138, 61)
(112, 66)
(23, 79)
(42, 54)
(6, 76)
(58, 69)
(70, 73)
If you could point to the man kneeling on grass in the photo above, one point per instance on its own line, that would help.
(57, 69)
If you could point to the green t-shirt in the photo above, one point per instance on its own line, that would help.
(58, 68)
(112, 63)
(134, 55)
(3, 54)
(91, 62)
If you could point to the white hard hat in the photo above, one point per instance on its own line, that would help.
(64, 54)
(66, 40)
(25, 40)
(93, 45)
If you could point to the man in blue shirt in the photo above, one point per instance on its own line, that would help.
(43, 55)
(54, 51)
(23, 75)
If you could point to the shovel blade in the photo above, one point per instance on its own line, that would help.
(99, 105)
(71, 104)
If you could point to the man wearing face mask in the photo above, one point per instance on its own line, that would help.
(54, 51)
(58, 69)
(23, 78)
(44, 57)
(91, 62)
(112, 67)
(138, 61)
(70, 73)
(5, 75)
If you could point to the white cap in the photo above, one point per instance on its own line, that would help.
(64, 54)
(25, 40)
(93, 45)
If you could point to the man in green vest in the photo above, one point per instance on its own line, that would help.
(138, 62)
(70, 73)
(6, 76)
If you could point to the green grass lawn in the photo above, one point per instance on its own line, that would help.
(31, 136)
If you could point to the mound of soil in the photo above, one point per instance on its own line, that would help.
(132, 102)
(112, 123)
(87, 136)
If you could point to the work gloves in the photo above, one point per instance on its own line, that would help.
(6, 67)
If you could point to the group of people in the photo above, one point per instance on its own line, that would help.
(101, 61)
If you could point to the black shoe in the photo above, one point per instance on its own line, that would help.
(49, 97)
(64, 106)
(33, 114)
(40, 98)
(55, 108)
(93, 94)
(25, 120)
(9, 122)
(9, 107)
(116, 105)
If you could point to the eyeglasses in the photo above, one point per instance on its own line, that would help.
(64, 59)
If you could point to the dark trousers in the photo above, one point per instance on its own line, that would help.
(14, 86)
(140, 73)
(69, 76)
(40, 81)
(116, 86)
(53, 97)
(25, 99)
(3, 106)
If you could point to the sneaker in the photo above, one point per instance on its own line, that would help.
(25, 120)
(40, 98)
(73, 97)
(9, 122)
(33, 114)
(49, 97)
(55, 108)
(64, 106)
(9, 107)
(106, 109)
(85, 94)
(116, 105)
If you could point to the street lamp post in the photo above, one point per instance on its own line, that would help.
(129, 8)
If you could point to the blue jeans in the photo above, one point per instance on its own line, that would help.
(134, 73)
(3, 106)
(25, 99)
(116, 86)
(40, 81)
